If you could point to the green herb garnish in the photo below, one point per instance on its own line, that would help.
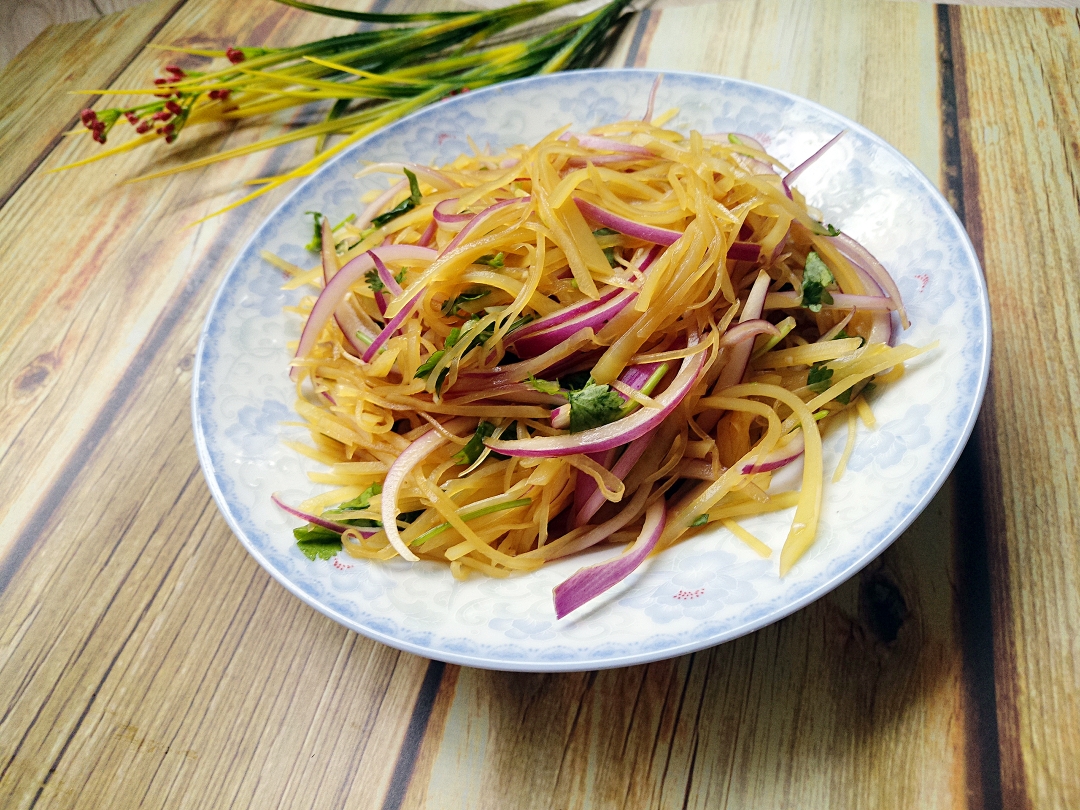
(453, 305)
(316, 542)
(543, 386)
(492, 260)
(821, 229)
(816, 277)
(467, 516)
(700, 520)
(471, 451)
(404, 206)
(315, 245)
(593, 406)
(817, 380)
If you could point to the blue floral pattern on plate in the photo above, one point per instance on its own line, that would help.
(703, 591)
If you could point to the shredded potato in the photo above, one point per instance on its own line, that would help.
(535, 348)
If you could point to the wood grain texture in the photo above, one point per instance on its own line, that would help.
(144, 654)
(147, 661)
(37, 90)
(828, 708)
(22, 22)
(1023, 152)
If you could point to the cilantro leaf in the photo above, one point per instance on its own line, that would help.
(543, 386)
(361, 501)
(404, 206)
(700, 520)
(592, 406)
(609, 254)
(843, 334)
(818, 378)
(856, 390)
(605, 232)
(821, 229)
(373, 280)
(490, 260)
(376, 283)
(816, 277)
(471, 452)
(425, 368)
(315, 542)
(315, 245)
(453, 305)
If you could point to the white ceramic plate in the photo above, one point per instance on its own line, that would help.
(703, 591)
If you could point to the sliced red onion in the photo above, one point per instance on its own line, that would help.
(433, 177)
(560, 357)
(646, 233)
(580, 308)
(744, 252)
(332, 525)
(560, 417)
(334, 292)
(779, 457)
(591, 582)
(633, 453)
(395, 477)
(476, 220)
(379, 203)
(540, 342)
(444, 217)
(562, 316)
(859, 255)
(746, 330)
(392, 327)
(380, 302)
(617, 433)
(754, 143)
(428, 234)
(385, 276)
(607, 144)
(346, 317)
(586, 485)
(351, 324)
(780, 246)
(735, 368)
(881, 328)
(652, 98)
(793, 175)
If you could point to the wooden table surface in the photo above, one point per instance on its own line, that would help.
(147, 661)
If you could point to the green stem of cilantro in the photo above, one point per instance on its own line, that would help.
(785, 326)
(467, 516)
(646, 389)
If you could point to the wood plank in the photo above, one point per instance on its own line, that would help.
(144, 653)
(126, 250)
(839, 705)
(824, 709)
(37, 89)
(1022, 172)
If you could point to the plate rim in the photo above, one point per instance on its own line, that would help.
(535, 665)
